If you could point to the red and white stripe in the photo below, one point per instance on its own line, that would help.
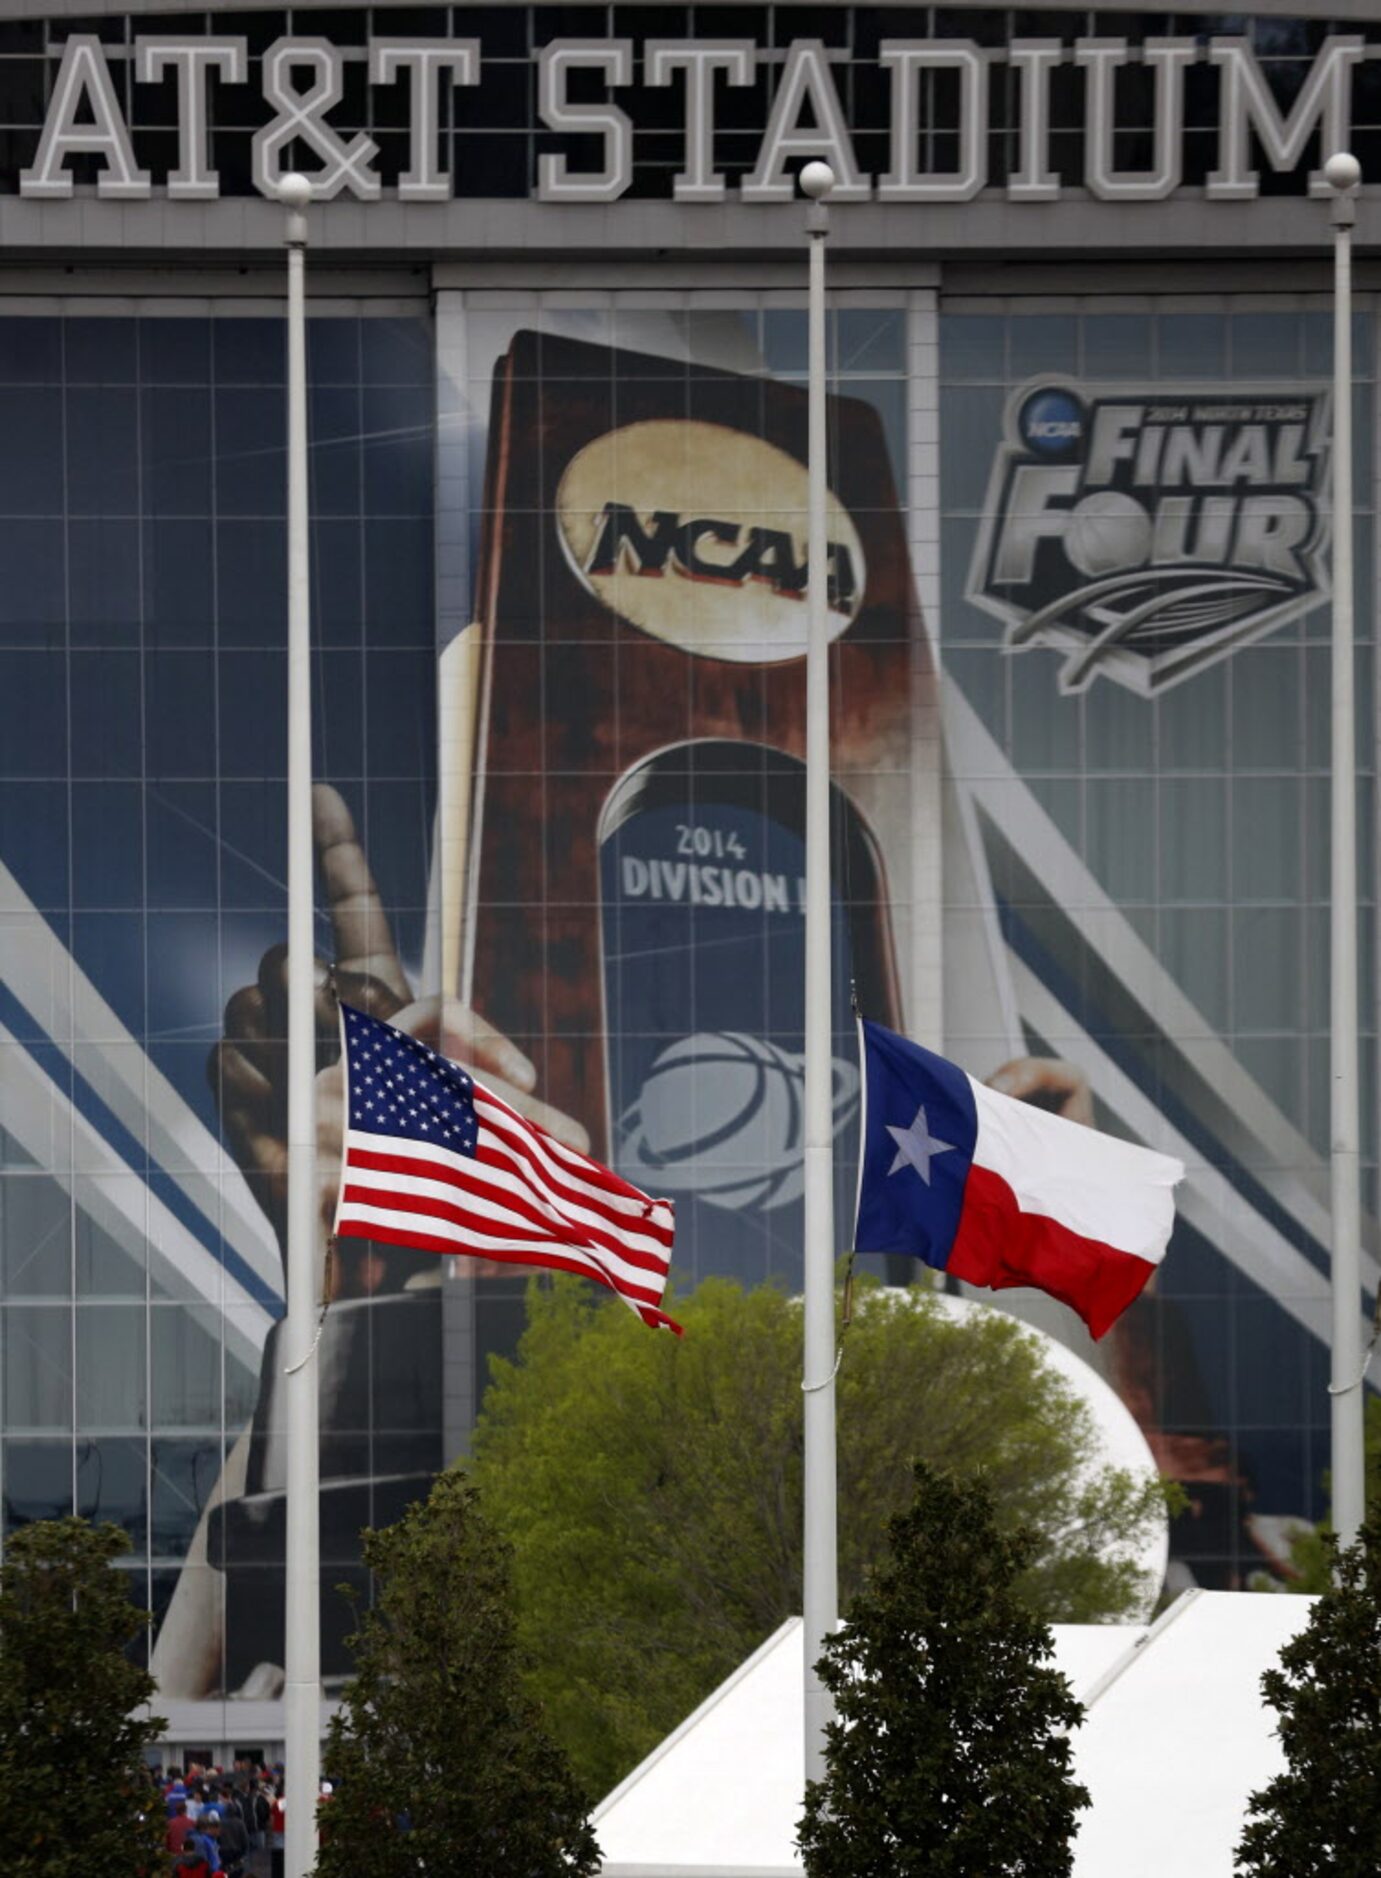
(523, 1198)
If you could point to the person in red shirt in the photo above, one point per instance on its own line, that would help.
(276, 1849)
(178, 1828)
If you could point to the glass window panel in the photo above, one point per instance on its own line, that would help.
(102, 428)
(38, 1366)
(1192, 345)
(981, 677)
(973, 346)
(1265, 345)
(1046, 723)
(1266, 979)
(1193, 840)
(112, 1484)
(35, 1236)
(179, 565)
(33, 712)
(1194, 950)
(248, 351)
(112, 1359)
(1062, 798)
(970, 431)
(1117, 345)
(107, 723)
(109, 1267)
(185, 1364)
(31, 478)
(1265, 838)
(106, 605)
(1277, 1064)
(870, 339)
(784, 340)
(1043, 342)
(37, 1481)
(175, 351)
(1267, 723)
(396, 351)
(1120, 836)
(398, 450)
(1118, 727)
(888, 398)
(99, 351)
(183, 1474)
(12, 1152)
(107, 844)
(34, 590)
(175, 433)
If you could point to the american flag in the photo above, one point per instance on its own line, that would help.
(435, 1160)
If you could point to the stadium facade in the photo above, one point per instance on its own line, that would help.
(1081, 353)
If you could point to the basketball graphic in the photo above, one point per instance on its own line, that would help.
(720, 1116)
(1108, 532)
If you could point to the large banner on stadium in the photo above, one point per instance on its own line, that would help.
(592, 886)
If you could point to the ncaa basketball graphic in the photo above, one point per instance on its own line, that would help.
(1148, 531)
(720, 1116)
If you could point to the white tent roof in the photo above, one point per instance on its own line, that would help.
(1175, 1739)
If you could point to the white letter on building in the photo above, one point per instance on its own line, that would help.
(1247, 103)
(425, 179)
(84, 83)
(909, 58)
(806, 79)
(193, 60)
(302, 114)
(700, 59)
(1101, 58)
(613, 57)
(1033, 180)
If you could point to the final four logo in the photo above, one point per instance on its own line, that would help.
(1149, 532)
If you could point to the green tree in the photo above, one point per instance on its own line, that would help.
(442, 1762)
(652, 1489)
(949, 1754)
(77, 1795)
(1310, 1553)
(1321, 1817)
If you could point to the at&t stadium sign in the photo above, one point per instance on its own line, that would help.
(592, 96)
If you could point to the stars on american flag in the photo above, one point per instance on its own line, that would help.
(400, 1087)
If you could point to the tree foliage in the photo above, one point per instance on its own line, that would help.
(1311, 1556)
(441, 1760)
(1322, 1815)
(652, 1489)
(74, 1725)
(949, 1754)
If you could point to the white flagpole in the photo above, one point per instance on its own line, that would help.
(1343, 174)
(302, 1615)
(821, 1589)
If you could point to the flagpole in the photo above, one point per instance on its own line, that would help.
(820, 1607)
(301, 1610)
(1343, 173)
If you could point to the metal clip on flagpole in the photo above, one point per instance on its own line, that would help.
(820, 1603)
(302, 1600)
(1343, 173)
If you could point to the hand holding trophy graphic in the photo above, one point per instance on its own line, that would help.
(370, 1348)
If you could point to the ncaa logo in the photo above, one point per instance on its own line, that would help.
(1051, 424)
(695, 532)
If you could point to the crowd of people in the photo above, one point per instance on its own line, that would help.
(228, 1823)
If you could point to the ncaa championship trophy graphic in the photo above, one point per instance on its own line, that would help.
(638, 883)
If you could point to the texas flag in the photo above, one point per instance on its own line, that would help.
(1000, 1193)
